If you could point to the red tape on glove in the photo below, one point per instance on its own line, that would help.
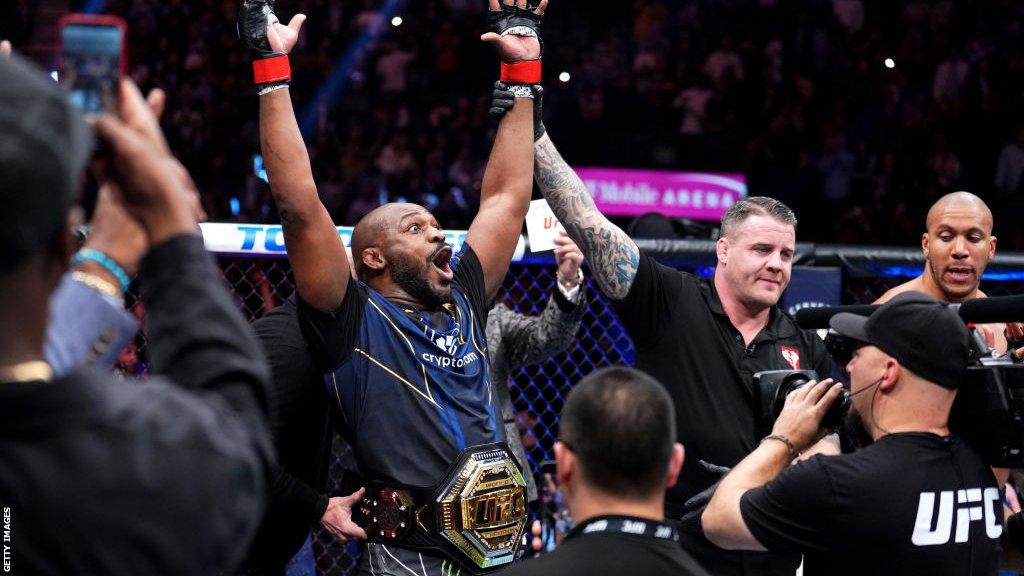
(527, 72)
(273, 69)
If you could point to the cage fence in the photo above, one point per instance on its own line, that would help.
(259, 284)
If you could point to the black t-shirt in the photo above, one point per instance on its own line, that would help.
(166, 476)
(684, 339)
(911, 503)
(586, 552)
(300, 423)
(412, 394)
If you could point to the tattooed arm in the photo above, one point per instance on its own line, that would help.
(613, 255)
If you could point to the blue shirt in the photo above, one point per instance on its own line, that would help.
(85, 328)
(411, 397)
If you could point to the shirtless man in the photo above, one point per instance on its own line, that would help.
(957, 246)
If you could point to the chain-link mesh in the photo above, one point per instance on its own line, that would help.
(538, 392)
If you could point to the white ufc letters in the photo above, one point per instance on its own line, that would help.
(973, 504)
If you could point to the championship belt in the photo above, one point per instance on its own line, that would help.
(476, 515)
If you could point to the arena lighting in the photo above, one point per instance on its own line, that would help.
(564, 77)
(890, 63)
(343, 70)
(396, 21)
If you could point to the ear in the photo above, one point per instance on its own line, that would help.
(991, 246)
(722, 250)
(373, 258)
(675, 463)
(924, 244)
(891, 375)
(565, 464)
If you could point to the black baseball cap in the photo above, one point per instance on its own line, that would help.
(44, 150)
(923, 334)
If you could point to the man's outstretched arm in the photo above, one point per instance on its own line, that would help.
(505, 193)
(315, 251)
(504, 198)
(613, 255)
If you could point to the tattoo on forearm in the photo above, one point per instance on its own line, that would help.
(613, 256)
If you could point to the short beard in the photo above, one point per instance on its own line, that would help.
(416, 286)
(855, 430)
(952, 296)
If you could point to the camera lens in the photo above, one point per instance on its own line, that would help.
(836, 412)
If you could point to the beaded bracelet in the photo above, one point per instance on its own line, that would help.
(100, 285)
(108, 264)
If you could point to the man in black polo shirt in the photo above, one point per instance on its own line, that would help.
(702, 339)
(615, 457)
(916, 501)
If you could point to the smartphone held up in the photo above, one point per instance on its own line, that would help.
(92, 59)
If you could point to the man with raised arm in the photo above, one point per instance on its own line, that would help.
(99, 475)
(702, 339)
(403, 349)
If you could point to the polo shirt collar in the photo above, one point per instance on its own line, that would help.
(779, 325)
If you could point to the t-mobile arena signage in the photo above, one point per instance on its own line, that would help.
(695, 195)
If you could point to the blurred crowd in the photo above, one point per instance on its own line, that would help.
(859, 114)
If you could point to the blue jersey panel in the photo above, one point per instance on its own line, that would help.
(414, 397)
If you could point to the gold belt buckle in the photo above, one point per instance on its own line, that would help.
(482, 509)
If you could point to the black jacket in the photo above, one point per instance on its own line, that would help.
(168, 476)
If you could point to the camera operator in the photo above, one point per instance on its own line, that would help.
(918, 500)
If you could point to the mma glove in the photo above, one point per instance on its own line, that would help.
(271, 70)
(502, 100)
(693, 509)
(518, 76)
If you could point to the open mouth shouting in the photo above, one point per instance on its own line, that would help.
(441, 260)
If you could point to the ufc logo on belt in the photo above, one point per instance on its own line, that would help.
(972, 505)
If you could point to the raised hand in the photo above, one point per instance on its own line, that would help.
(503, 99)
(568, 257)
(283, 38)
(114, 232)
(268, 42)
(262, 32)
(514, 29)
(800, 418)
(151, 185)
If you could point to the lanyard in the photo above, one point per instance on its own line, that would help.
(626, 525)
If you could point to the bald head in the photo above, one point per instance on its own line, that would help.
(374, 229)
(957, 246)
(368, 232)
(961, 202)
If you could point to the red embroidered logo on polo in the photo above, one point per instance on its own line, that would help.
(791, 356)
